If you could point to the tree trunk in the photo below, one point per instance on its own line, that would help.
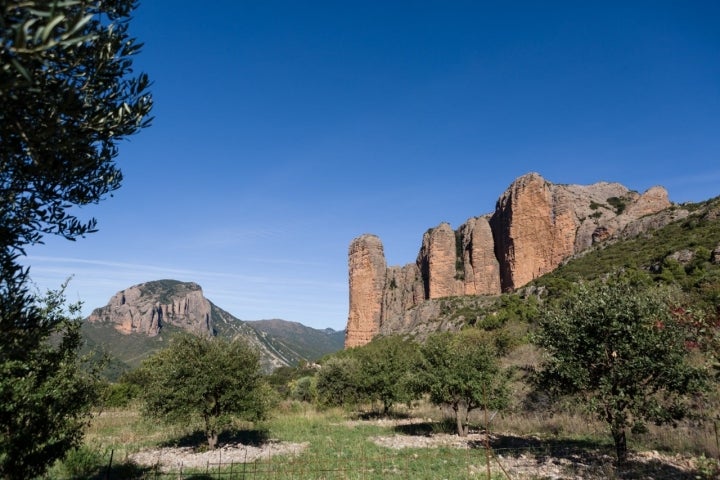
(620, 439)
(212, 438)
(210, 432)
(461, 418)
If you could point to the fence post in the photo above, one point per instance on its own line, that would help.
(107, 473)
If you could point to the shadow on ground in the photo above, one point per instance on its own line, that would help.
(198, 441)
(125, 470)
(576, 458)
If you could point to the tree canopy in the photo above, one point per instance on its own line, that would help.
(461, 370)
(45, 394)
(616, 345)
(206, 378)
(386, 366)
(67, 97)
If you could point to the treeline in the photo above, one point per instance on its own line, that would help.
(627, 348)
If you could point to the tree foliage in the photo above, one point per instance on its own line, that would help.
(461, 370)
(45, 393)
(67, 98)
(385, 370)
(211, 379)
(338, 381)
(380, 371)
(616, 345)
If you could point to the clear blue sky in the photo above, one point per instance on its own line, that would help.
(285, 129)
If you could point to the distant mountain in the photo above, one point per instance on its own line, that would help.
(309, 343)
(138, 321)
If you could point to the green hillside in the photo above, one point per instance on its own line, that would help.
(679, 253)
(310, 343)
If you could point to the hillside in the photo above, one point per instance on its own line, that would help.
(311, 343)
(139, 320)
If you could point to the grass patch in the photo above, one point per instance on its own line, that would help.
(340, 444)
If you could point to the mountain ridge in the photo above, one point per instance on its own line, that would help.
(137, 321)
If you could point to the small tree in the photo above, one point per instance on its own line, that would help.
(386, 365)
(211, 379)
(615, 345)
(338, 381)
(45, 393)
(461, 370)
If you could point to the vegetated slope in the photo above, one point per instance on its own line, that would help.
(139, 320)
(684, 252)
(309, 343)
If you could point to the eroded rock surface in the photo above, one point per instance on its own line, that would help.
(367, 267)
(145, 308)
(536, 226)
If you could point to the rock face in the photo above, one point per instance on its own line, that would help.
(147, 307)
(481, 270)
(537, 224)
(440, 264)
(535, 227)
(367, 266)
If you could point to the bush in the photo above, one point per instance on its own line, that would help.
(120, 394)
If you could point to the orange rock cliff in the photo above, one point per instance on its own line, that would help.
(535, 227)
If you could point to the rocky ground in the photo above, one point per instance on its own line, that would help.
(517, 457)
(554, 463)
(179, 458)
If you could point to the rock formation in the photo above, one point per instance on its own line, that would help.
(440, 264)
(367, 266)
(537, 224)
(147, 307)
(481, 269)
(535, 227)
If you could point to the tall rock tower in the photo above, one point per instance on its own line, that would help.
(367, 267)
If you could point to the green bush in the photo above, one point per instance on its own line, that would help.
(303, 389)
(120, 394)
(81, 462)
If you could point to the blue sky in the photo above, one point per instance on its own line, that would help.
(285, 129)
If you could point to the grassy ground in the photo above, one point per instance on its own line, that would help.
(335, 449)
(339, 446)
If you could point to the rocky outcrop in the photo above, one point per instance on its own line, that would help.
(148, 307)
(481, 270)
(367, 266)
(536, 226)
(715, 256)
(153, 309)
